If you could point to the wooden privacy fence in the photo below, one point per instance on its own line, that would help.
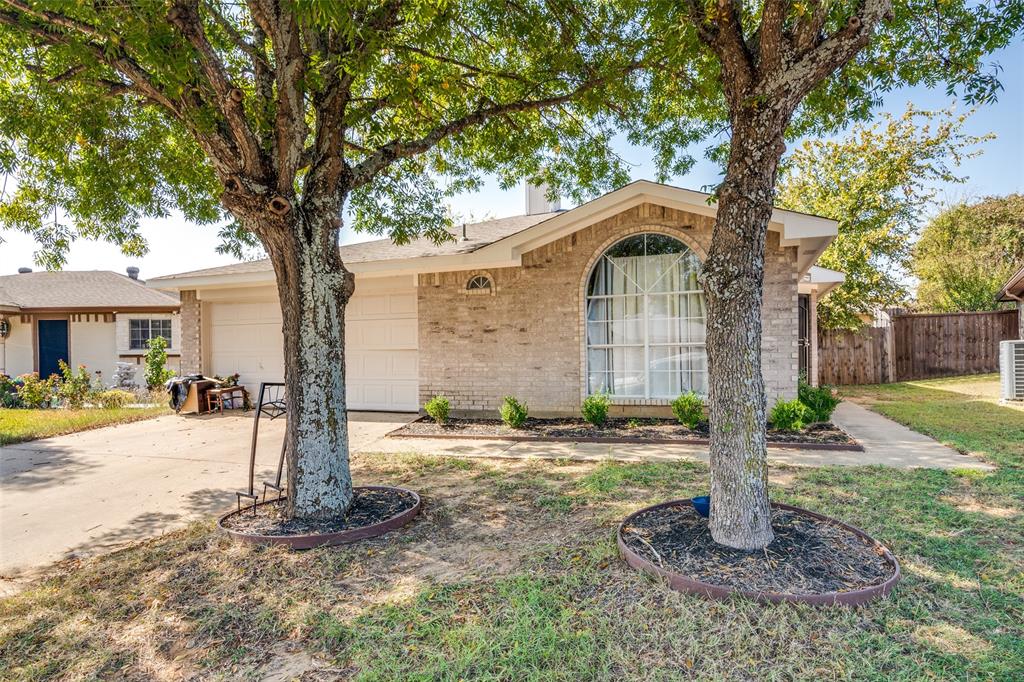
(915, 347)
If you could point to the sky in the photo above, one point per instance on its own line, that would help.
(175, 245)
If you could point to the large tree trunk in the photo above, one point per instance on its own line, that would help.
(314, 287)
(733, 282)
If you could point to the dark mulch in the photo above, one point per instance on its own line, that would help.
(626, 429)
(368, 507)
(808, 556)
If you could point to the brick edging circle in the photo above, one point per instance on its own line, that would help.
(341, 537)
(681, 583)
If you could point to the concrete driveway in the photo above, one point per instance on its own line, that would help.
(88, 492)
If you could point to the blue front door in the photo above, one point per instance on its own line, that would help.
(53, 346)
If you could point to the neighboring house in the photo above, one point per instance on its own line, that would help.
(1013, 291)
(549, 306)
(93, 318)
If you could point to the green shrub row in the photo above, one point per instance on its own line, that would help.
(814, 404)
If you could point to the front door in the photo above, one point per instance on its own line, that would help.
(53, 346)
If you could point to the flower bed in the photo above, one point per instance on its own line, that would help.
(821, 436)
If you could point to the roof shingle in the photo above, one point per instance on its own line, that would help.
(478, 235)
(67, 290)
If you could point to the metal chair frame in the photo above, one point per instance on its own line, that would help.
(273, 405)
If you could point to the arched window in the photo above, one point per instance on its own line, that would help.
(646, 320)
(479, 283)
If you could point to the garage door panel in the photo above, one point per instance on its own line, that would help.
(402, 304)
(406, 364)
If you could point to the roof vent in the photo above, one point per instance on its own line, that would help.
(537, 200)
(133, 272)
(24, 271)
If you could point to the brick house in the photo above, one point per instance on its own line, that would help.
(548, 306)
(95, 318)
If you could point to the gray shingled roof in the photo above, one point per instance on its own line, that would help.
(80, 289)
(478, 235)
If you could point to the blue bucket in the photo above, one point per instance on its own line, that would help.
(702, 505)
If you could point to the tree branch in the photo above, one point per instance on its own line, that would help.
(237, 38)
(219, 150)
(771, 37)
(390, 152)
(813, 66)
(290, 128)
(809, 27)
(229, 99)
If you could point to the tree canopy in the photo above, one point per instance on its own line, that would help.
(967, 252)
(113, 113)
(876, 182)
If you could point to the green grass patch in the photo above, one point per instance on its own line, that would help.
(20, 425)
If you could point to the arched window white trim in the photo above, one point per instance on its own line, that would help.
(645, 320)
(479, 283)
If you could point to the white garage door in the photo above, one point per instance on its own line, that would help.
(380, 345)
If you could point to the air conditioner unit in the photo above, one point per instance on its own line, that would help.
(1011, 369)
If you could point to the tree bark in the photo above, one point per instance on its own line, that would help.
(314, 287)
(733, 280)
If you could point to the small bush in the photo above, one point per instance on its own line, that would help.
(820, 400)
(595, 408)
(689, 409)
(789, 415)
(74, 387)
(114, 398)
(35, 392)
(513, 412)
(437, 408)
(156, 357)
(9, 391)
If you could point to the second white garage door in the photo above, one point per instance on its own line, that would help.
(381, 344)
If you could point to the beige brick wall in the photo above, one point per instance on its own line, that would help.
(525, 337)
(191, 337)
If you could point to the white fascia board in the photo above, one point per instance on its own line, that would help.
(475, 260)
(225, 280)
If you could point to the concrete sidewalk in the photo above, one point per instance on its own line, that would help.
(890, 444)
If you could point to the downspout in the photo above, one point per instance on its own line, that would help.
(3, 350)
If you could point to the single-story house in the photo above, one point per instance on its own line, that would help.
(1013, 291)
(548, 306)
(94, 318)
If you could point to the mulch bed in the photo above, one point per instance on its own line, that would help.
(808, 556)
(614, 429)
(369, 506)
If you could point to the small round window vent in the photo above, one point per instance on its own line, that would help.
(479, 283)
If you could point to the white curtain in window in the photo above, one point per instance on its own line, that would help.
(646, 321)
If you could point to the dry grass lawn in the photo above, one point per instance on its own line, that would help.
(511, 573)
